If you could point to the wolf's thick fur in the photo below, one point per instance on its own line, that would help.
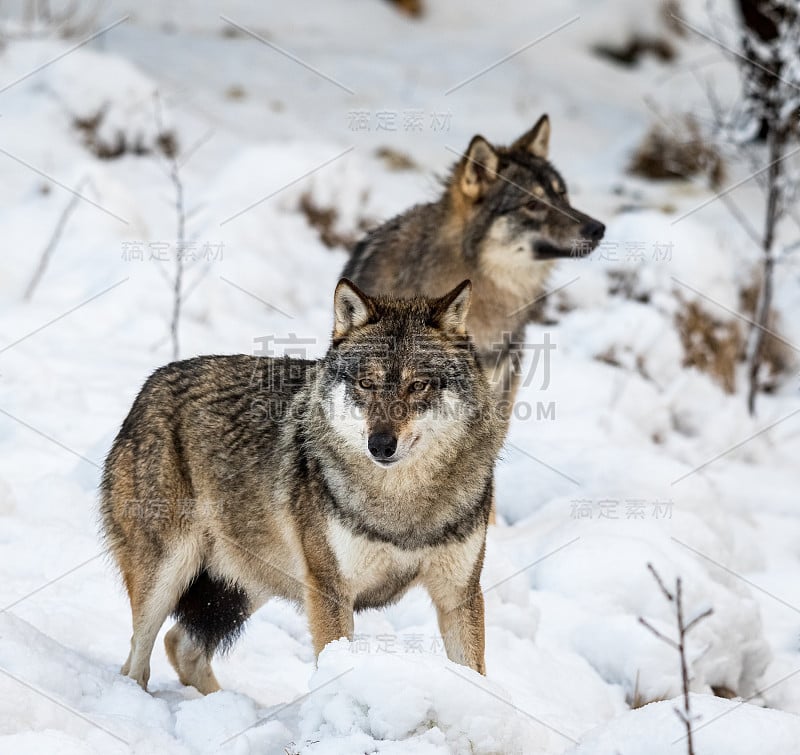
(503, 217)
(336, 484)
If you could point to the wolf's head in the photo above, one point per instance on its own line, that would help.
(401, 377)
(515, 205)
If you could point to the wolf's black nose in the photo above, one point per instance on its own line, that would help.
(382, 445)
(593, 230)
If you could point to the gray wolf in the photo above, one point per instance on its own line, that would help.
(336, 484)
(502, 219)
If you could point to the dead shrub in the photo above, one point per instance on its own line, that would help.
(777, 358)
(681, 152)
(394, 159)
(716, 347)
(637, 46)
(324, 220)
(641, 44)
(711, 345)
(413, 8)
(111, 147)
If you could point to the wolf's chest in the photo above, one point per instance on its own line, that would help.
(377, 571)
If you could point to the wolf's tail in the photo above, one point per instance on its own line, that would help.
(213, 612)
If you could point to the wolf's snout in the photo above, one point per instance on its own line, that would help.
(593, 230)
(382, 445)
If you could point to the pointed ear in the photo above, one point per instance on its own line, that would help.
(450, 312)
(537, 140)
(478, 168)
(352, 309)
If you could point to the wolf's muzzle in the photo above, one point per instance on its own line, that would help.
(382, 446)
(593, 231)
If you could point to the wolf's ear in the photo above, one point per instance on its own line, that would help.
(450, 312)
(352, 308)
(479, 168)
(537, 140)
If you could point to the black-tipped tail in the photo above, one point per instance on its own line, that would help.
(213, 612)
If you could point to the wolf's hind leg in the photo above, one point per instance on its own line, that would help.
(153, 598)
(190, 660)
(211, 613)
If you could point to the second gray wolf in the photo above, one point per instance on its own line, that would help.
(503, 217)
(336, 484)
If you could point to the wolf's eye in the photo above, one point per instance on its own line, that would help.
(366, 384)
(418, 385)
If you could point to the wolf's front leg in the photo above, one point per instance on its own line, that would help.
(330, 613)
(453, 582)
(462, 628)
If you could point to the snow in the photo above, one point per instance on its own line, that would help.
(656, 729)
(623, 457)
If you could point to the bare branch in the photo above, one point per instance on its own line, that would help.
(697, 619)
(54, 239)
(644, 622)
(769, 84)
(676, 599)
(173, 171)
(667, 594)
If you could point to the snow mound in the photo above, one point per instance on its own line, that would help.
(655, 258)
(46, 686)
(427, 703)
(594, 557)
(723, 727)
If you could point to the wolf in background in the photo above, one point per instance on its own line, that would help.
(503, 217)
(337, 484)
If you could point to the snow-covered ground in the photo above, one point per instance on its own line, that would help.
(619, 455)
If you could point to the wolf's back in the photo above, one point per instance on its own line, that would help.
(399, 256)
(192, 425)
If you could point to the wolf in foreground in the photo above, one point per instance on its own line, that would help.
(503, 217)
(337, 484)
